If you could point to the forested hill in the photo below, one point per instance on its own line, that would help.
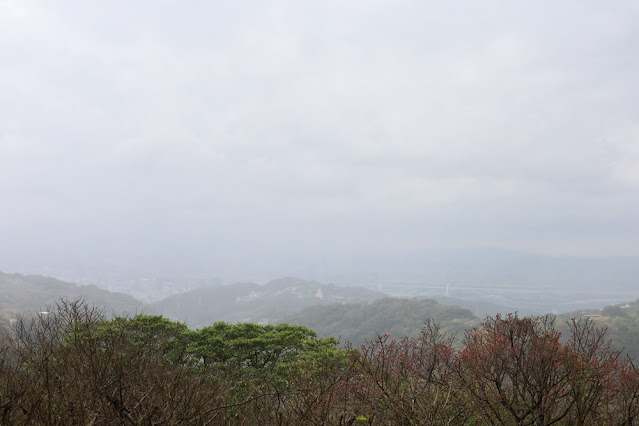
(397, 317)
(250, 302)
(621, 321)
(76, 366)
(21, 293)
(355, 322)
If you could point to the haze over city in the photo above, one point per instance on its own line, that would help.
(252, 140)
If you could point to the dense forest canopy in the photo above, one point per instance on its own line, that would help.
(74, 365)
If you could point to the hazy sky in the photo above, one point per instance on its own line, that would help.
(210, 134)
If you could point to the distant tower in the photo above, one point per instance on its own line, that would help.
(446, 292)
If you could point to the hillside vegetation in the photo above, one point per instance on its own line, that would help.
(34, 293)
(250, 302)
(76, 366)
(621, 321)
(351, 314)
(356, 322)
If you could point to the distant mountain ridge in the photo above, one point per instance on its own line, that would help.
(351, 313)
(487, 266)
(251, 302)
(22, 293)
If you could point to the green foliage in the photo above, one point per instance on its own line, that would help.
(150, 333)
(253, 346)
(76, 366)
(357, 322)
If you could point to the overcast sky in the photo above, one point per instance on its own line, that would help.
(205, 134)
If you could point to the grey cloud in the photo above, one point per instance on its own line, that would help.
(289, 127)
